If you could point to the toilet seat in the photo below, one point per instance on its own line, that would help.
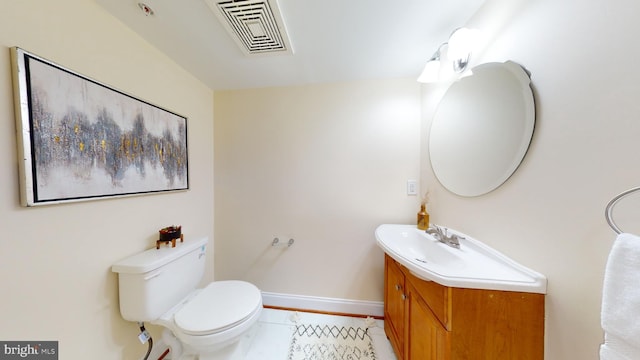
(218, 307)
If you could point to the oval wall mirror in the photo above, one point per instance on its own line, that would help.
(482, 128)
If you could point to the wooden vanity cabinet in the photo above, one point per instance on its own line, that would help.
(435, 322)
(394, 305)
(427, 336)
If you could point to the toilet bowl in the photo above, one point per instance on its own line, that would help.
(160, 286)
(212, 321)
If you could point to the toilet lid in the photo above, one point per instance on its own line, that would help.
(219, 306)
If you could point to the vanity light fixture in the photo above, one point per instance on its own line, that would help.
(431, 71)
(460, 45)
(458, 53)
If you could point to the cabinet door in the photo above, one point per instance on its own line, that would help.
(394, 305)
(427, 337)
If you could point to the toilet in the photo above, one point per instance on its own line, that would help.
(160, 286)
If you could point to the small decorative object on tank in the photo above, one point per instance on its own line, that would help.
(170, 234)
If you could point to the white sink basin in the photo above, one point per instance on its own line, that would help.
(474, 265)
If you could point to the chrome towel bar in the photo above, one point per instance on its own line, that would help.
(610, 205)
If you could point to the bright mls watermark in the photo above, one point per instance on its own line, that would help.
(30, 350)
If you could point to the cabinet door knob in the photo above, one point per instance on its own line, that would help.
(398, 287)
(404, 297)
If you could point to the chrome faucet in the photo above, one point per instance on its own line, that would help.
(441, 234)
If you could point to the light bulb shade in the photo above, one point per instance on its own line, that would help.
(431, 72)
(461, 43)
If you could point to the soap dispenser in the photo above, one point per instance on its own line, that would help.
(423, 217)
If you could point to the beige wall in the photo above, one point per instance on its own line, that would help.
(55, 260)
(323, 165)
(585, 150)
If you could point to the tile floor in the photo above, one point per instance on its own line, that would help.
(269, 340)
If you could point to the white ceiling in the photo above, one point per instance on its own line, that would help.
(333, 40)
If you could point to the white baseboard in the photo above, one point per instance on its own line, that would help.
(323, 304)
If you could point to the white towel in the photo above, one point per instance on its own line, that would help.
(607, 353)
(616, 349)
(621, 299)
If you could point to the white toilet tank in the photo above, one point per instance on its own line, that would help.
(155, 280)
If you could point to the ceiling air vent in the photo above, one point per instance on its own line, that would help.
(255, 25)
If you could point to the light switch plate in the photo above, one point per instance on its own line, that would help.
(412, 187)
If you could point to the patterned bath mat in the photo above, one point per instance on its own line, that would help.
(330, 342)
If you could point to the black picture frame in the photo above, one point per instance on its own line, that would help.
(79, 139)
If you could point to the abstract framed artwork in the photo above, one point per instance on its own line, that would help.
(81, 140)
